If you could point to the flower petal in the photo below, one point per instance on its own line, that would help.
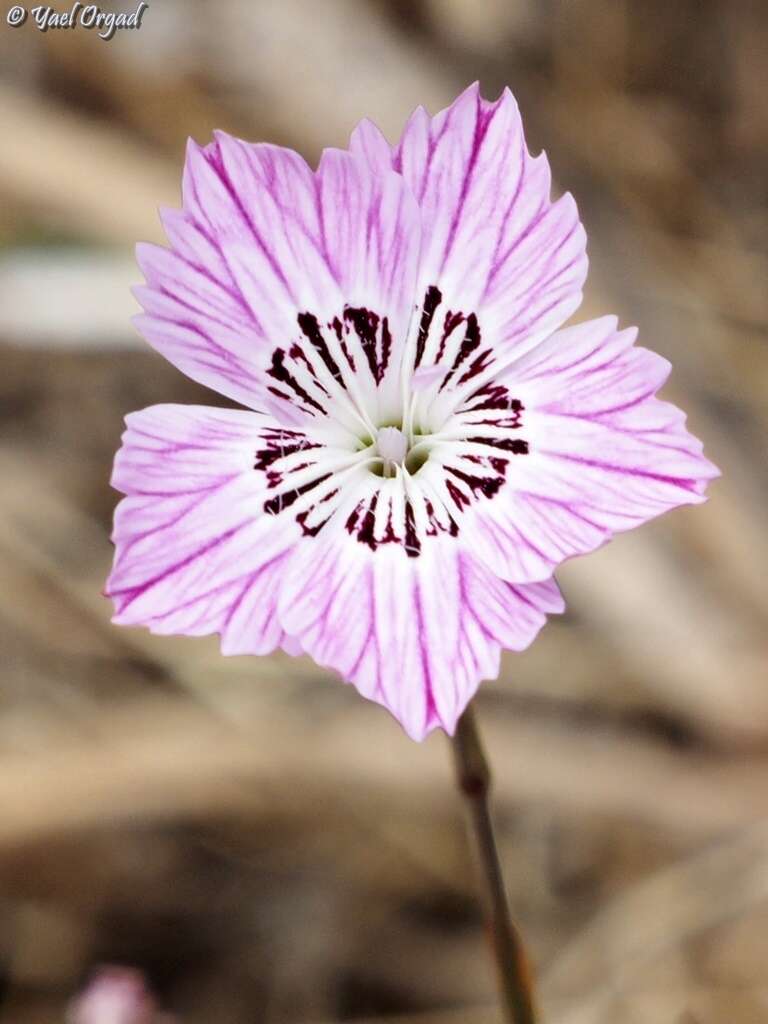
(195, 552)
(502, 266)
(604, 454)
(284, 288)
(416, 635)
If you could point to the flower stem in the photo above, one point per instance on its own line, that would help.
(474, 780)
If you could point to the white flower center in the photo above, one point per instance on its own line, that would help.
(392, 446)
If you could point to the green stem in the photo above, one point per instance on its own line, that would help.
(474, 780)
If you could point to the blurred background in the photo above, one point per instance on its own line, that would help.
(248, 836)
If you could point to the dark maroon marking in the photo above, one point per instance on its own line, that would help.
(432, 300)
(451, 322)
(515, 445)
(494, 396)
(488, 486)
(470, 342)
(282, 501)
(412, 542)
(338, 329)
(386, 346)
(389, 533)
(301, 518)
(459, 497)
(266, 457)
(363, 528)
(351, 522)
(280, 394)
(280, 373)
(348, 354)
(310, 531)
(310, 328)
(365, 533)
(507, 422)
(477, 366)
(434, 527)
(366, 324)
(297, 353)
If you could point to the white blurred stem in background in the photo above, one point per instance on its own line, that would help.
(68, 298)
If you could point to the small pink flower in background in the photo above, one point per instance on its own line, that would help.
(422, 442)
(116, 995)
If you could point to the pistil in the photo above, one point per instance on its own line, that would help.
(392, 446)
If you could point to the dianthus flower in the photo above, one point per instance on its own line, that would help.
(421, 444)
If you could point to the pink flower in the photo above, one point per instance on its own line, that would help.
(421, 445)
(115, 995)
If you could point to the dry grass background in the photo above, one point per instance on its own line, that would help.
(258, 840)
